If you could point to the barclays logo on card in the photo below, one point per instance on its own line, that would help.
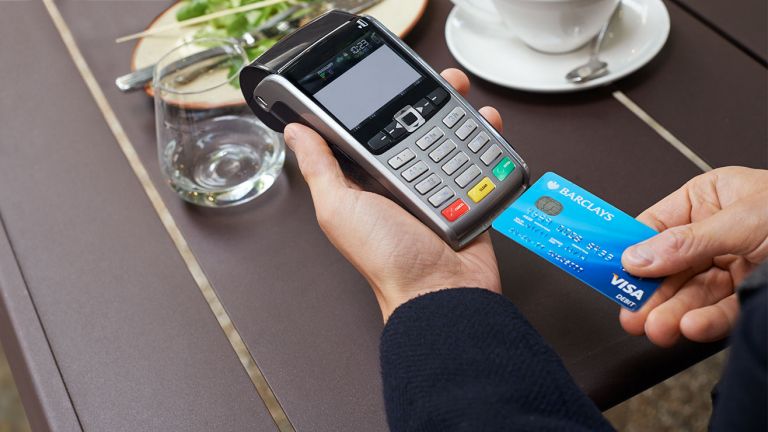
(587, 204)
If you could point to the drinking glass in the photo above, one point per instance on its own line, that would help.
(212, 149)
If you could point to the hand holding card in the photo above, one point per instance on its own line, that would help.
(714, 232)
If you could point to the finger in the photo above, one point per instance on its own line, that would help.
(457, 79)
(634, 322)
(711, 323)
(672, 210)
(316, 161)
(493, 117)
(663, 326)
(741, 229)
(738, 267)
(696, 199)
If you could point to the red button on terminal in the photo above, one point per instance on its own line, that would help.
(455, 210)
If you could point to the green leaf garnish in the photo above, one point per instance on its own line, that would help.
(235, 25)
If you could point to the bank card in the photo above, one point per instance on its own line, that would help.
(581, 234)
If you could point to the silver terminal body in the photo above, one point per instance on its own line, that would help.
(449, 155)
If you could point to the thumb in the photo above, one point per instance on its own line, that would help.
(741, 229)
(316, 161)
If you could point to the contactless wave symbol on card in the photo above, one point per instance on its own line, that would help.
(552, 185)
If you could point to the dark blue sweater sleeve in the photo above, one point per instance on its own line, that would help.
(741, 397)
(466, 360)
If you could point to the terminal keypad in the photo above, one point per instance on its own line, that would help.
(455, 163)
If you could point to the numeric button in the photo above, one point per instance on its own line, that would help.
(455, 163)
(468, 175)
(466, 129)
(442, 150)
(491, 154)
(414, 171)
(478, 142)
(430, 138)
(428, 184)
(441, 196)
(401, 159)
(454, 116)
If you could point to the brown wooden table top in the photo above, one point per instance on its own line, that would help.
(742, 22)
(107, 329)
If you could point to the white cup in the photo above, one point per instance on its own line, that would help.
(550, 26)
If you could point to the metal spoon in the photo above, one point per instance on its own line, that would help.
(594, 68)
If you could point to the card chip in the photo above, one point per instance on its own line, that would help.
(549, 206)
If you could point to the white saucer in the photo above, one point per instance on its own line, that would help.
(633, 39)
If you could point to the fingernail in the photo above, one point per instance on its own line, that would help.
(639, 255)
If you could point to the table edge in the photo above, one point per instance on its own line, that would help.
(41, 386)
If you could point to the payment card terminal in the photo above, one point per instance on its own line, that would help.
(377, 102)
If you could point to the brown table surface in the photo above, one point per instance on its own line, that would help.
(106, 328)
(742, 22)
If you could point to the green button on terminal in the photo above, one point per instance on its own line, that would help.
(503, 168)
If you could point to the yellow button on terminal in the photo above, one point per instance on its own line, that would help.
(481, 189)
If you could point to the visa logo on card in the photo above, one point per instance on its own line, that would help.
(580, 233)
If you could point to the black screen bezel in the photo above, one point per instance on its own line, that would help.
(335, 43)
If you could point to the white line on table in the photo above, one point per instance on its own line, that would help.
(222, 317)
(662, 131)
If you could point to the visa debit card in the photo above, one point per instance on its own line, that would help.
(580, 233)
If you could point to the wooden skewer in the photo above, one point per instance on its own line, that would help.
(200, 19)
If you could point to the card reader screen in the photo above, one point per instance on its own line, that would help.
(355, 83)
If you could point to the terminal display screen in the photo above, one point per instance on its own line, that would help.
(357, 81)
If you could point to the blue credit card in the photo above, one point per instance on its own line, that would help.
(580, 233)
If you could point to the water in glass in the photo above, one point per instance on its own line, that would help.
(212, 149)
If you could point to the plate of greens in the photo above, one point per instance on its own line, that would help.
(400, 16)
